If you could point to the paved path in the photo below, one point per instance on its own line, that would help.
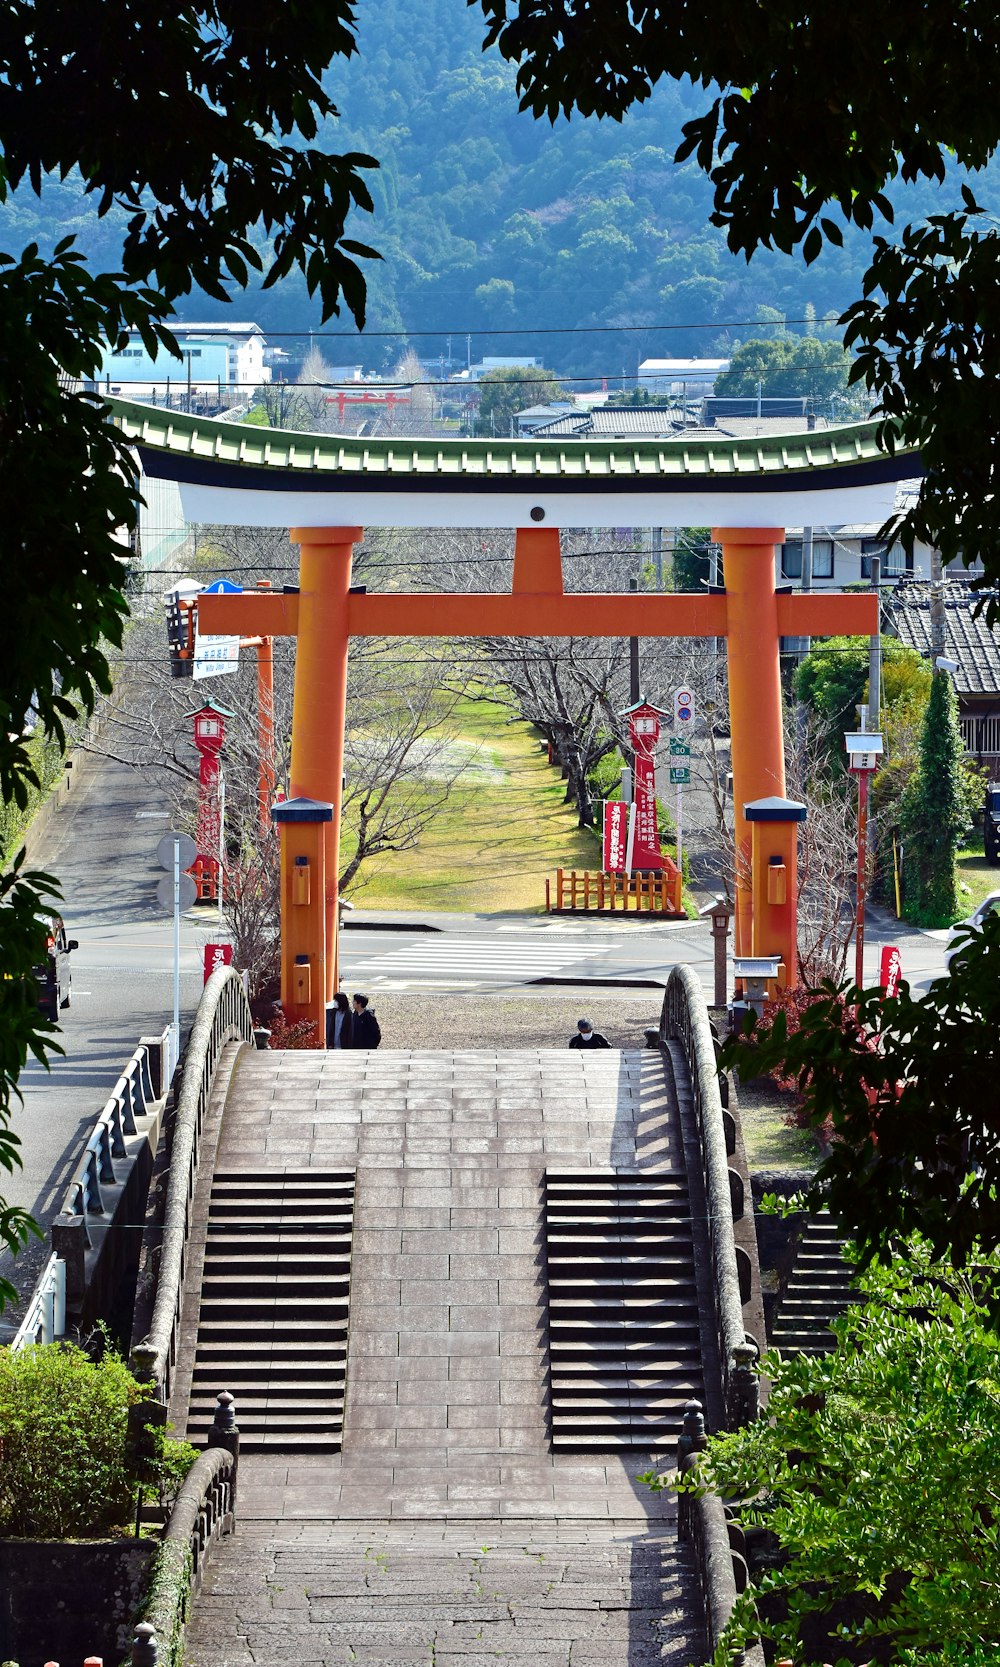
(447, 1528)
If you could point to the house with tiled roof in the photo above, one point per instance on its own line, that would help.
(970, 642)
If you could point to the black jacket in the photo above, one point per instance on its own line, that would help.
(367, 1033)
(594, 1040)
(346, 1029)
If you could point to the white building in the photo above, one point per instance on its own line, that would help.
(215, 357)
(680, 376)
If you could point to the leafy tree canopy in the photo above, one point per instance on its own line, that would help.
(512, 388)
(876, 1470)
(791, 367)
(909, 1089)
(220, 104)
(903, 96)
(832, 680)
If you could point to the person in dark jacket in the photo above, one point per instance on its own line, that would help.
(367, 1032)
(587, 1037)
(339, 1022)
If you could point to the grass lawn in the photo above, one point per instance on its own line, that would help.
(976, 877)
(491, 847)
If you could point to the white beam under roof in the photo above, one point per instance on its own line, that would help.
(250, 476)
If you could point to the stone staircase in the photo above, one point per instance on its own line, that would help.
(624, 1344)
(818, 1290)
(272, 1325)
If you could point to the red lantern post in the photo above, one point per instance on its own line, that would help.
(209, 735)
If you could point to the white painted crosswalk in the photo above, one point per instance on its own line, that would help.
(468, 962)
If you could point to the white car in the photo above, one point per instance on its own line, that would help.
(990, 905)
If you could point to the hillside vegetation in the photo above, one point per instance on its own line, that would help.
(490, 221)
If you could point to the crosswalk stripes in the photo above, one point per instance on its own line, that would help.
(472, 960)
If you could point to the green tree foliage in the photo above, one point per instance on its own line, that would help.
(512, 388)
(877, 1469)
(67, 1467)
(692, 564)
(908, 1088)
(935, 813)
(789, 367)
(904, 96)
(194, 193)
(832, 680)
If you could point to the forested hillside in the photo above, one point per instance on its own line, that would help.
(490, 221)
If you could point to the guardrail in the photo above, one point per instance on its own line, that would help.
(108, 1157)
(706, 1524)
(203, 1512)
(45, 1319)
(223, 1016)
(685, 1020)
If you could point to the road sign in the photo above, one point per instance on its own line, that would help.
(680, 775)
(223, 587)
(165, 892)
(165, 852)
(679, 749)
(683, 706)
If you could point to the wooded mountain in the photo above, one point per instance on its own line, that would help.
(491, 221)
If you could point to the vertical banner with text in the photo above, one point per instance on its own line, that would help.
(615, 836)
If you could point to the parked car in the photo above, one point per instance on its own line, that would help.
(990, 905)
(53, 975)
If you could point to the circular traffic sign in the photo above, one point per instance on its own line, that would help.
(165, 852)
(684, 713)
(165, 892)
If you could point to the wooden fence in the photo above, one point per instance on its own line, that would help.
(576, 892)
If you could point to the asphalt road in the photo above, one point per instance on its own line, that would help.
(101, 844)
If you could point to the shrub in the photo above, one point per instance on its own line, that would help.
(67, 1470)
(300, 1034)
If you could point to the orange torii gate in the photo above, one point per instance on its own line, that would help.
(253, 477)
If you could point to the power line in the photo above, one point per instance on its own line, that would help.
(525, 329)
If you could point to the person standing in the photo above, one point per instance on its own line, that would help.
(339, 1022)
(587, 1037)
(367, 1031)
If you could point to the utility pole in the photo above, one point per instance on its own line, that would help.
(937, 607)
(658, 555)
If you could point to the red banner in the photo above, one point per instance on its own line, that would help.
(646, 851)
(615, 836)
(890, 970)
(217, 955)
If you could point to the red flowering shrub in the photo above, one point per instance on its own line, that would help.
(301, 1034)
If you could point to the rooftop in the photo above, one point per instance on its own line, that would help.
(967, 637)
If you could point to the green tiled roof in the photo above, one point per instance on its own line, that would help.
(590, 459)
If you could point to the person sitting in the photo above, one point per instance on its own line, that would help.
(587, 1037)
(367, 1032)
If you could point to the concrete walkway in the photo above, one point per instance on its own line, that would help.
(447, 1528)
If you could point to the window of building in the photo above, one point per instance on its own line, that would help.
(896, 563)
(822, 559)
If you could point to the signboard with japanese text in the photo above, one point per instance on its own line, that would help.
(890, 970)
(217, 955)
(615, 836)
(646, 852)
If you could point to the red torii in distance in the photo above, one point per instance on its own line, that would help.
(751, 615)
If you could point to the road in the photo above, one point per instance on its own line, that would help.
(101, 844)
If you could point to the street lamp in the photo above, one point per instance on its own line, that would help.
(863, 754)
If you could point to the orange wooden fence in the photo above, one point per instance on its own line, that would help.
(616, 893)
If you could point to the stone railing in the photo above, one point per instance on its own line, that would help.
(706, 1524)
(223, 1016)
(104, 1168)
(204, 1512)
(685, 1020)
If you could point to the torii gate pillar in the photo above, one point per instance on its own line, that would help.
(319, 709)
(752, 638)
